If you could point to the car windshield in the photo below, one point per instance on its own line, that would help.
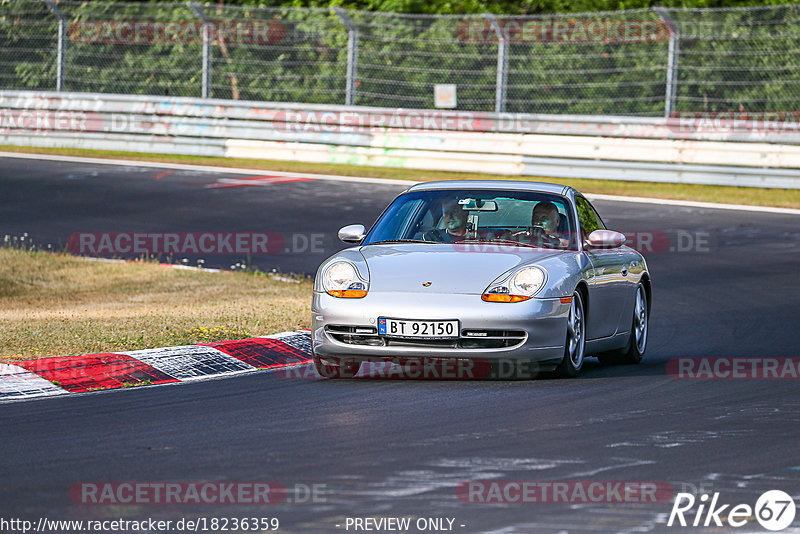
(513, 218)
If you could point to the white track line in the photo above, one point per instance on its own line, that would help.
(409, 183)
(693, 204)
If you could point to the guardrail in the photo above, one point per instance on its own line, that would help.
(692, 149)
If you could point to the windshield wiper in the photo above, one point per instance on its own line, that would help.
(383, 241)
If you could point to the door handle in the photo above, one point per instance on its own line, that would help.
(624, 270)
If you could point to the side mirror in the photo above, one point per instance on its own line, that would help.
(353, 233)
(605, 239)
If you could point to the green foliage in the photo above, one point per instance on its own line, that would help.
(728, 60)
(505, 7)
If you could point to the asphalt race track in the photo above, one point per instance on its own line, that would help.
(725, 285)
(50, 201)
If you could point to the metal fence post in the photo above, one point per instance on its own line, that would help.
(61, 58)
(207, 42)
(502, 65)
(352, 55)
(672, 61)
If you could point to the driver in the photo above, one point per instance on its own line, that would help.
(544, 227)
(455, 224)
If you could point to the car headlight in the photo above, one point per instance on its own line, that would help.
(521, 285)
(341, 280)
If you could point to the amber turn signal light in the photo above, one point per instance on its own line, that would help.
(348, 293)
(502, 297)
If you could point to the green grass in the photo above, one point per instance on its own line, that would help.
(784, 198)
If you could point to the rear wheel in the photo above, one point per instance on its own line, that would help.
(575, 343)
(336, 368)
(637, 343)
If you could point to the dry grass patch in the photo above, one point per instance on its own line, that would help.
(59, 305)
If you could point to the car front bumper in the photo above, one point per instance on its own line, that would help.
(543, 322)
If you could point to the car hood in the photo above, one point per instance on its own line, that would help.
(450, 268)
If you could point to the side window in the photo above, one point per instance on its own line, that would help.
(398, 224)
(600, 224)
(587, 217)
(419, 217)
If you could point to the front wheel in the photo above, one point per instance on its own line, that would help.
(575, 343)
(637, 343)
(335, 368)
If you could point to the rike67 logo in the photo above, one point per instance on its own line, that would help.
(774, 510)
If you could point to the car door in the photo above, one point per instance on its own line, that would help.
(607, 285)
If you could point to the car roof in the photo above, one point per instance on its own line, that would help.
(514, 185)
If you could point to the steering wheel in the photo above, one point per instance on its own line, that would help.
(536, 234)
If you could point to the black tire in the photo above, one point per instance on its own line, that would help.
(575, 343)
(341, 369)
(637, 341)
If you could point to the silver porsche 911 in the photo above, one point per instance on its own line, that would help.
(490, 270)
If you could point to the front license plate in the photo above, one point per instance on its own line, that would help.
(413, 328)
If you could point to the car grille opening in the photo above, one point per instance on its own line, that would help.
(491, 339)
(470, 339)
(355, 335)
